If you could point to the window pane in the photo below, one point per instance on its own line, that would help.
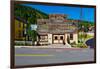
(61, 37)
(71, 36)
(56, 38)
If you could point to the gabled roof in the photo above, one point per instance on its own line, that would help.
(20, 19)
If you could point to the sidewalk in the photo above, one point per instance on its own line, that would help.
(48, 46)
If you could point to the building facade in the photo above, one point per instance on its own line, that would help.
(20, 26)
(57, 29)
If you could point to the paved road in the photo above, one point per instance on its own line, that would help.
(29, 56)
(91, 42)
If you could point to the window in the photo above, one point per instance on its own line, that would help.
(23, 33)
(19, 24)
(44, 22)
(43, 37)
(61, 37)
(71, 36)
(56, 38)
(19, 34)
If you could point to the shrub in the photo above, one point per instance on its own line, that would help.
(19, 44)
(81, 45)
(73, 43)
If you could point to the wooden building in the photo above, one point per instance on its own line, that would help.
(57, 30)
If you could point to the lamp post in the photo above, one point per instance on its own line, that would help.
(25, 35)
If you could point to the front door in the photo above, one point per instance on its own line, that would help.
(58, 39)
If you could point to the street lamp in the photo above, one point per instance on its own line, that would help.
(25, 35)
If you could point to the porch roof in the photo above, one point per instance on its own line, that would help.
(45, 32)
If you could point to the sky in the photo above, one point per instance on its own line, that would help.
(72, 12)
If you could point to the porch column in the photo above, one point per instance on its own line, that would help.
(75, 38)
(66, 38)
(49, 38)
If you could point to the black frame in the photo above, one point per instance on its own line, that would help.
(12, 51)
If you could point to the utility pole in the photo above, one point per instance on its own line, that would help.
(80, 22)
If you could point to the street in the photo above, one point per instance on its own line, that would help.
(31, 56)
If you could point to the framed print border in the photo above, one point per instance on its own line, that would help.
(12, 51)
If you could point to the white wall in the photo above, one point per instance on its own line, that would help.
(50, 38)
(91, 34)
(75, 38)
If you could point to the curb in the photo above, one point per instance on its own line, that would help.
(39, 47)
(35, 47)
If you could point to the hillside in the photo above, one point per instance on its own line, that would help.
(28, 13)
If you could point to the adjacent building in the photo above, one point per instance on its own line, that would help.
(20, 26)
